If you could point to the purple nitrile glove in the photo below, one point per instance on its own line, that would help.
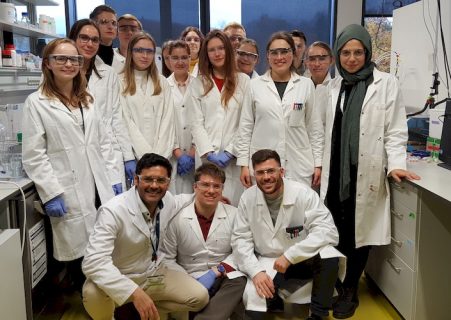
(208, 279)
(224, 158)
(184, 164)
(130, 168)
(117, 188)
(213, 158)
(55, 207)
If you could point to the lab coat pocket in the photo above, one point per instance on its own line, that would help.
(296, 116)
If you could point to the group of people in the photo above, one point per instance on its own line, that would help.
(205, 184)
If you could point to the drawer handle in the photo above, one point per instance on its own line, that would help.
(396, 214)
(397, 242)
(397, 270)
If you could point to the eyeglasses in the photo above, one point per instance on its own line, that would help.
(104, 22)
(140, 50)
(194, 39)
(205, 186)
(62, 59)
(236, 38)
(246, 54)
(84, 38)
(161, 181)
(269, 172)
(213, 50)
(128, 28)
(279, 51)
(181, 58)
(318, 58)
(356, 53)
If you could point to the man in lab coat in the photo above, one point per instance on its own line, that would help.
(122, 262)
(283, 231)
(198, 242)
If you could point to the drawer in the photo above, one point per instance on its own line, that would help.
(394, 278)
(404, 220)
(404, 193)
(404, 248)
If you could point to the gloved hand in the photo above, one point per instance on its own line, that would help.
(185, 164)
(130, 168)
(55, 207)
(213, 158)
(117, 188)
(208, 279)
(224, 158)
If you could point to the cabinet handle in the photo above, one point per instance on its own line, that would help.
(397, 270)
(397, 242)
(396, 214)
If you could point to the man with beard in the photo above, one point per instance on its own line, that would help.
(123, 262)
(283, 231)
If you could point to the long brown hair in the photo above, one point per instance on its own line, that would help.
(206, 68)
(80, 95)
(129, 67)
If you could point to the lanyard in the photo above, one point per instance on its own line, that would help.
(157, 233)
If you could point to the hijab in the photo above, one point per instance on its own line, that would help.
(350, 125)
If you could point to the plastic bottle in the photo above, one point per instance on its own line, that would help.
(25, 19)
(7, 60)
(12, 50)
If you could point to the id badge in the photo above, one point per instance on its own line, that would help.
(155, 282)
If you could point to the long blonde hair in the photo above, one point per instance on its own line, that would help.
(80, 95)
(129, 68)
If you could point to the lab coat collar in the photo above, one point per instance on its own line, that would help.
(289, 198)
(267, 78)
(54, 103)
(135, 208)
(372, 88)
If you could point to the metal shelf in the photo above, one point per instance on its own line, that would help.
(40, 2)
(28, 31)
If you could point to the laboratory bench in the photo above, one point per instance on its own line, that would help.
(414, 270)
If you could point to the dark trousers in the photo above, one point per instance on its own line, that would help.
(324, 273)
(224, 302)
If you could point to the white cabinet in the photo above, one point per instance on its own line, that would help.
(414, 271)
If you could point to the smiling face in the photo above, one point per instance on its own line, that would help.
(352, 56)
(151, 193)
(179, 59)
(245, 60)
(66, 72)
(88, 49)
(318, 63)
(280, 57)
(193, 40)
(269, 177)
(216, 53)
(143, 60)
(208, 191)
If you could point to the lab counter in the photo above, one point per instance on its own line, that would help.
(414, 270)
(8, 191)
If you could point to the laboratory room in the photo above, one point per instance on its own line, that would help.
(215, 160)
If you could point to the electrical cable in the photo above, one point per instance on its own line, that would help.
(24, 211)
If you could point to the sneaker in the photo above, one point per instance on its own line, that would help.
(346, 304)
(275, 304)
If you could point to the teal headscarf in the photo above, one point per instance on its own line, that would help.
(350, 126)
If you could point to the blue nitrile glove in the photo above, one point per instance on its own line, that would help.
(117, 188)
(208, 279)
(224, 158)
(184, 164)
(130, 168)
(55, 207)
(213, 158)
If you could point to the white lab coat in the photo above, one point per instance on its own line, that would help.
(321, 98)
(184, 140)
(118, 257)
(271, 123)
(214, 126)
(195, 71)
(150, 118)
(382, 148)
(61, 160)
(257, 243)
(118, 61)
(186, 250)
(106, 92)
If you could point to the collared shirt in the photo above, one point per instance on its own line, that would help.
(151, 223)
(205, 224)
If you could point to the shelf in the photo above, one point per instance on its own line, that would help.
(40, 2)
(30, 31)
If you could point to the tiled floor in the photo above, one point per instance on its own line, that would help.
(373, 306)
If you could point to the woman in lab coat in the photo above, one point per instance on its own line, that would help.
(194, 38)
(217, 97)
(247, 57)
(366, 135)
(282, 117)
(104, 86)
(183, 155)
(147, 100)
(66, 152)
